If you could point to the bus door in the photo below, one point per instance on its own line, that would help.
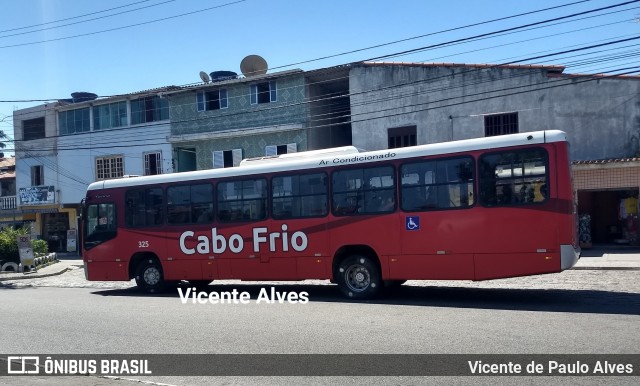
(299, 208)
(520, 222)
(438, 225)
(245, 228)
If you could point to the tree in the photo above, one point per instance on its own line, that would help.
(3, 136)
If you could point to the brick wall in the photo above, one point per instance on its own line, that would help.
(607, 176)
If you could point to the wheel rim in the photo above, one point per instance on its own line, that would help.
(357, 278)
(151, 276)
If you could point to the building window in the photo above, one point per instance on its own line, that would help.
(110, 115)
(500, 124)
(402, 136)
(152, 163)
(33, 129)
(74, 121)
(212, 100)
(149, 109)
(227, 158)
(37, 175)
(266, 92)
(280, 149)
(109, 167)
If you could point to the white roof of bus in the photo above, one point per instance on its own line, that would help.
(303, 154)
(323, 159)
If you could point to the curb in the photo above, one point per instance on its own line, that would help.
(607, 268)
(36, 276)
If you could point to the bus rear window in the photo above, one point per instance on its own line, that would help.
(513, 177)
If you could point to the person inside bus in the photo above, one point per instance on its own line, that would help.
(526, 193)
(506, 196)
(387, 203)
(205, 217)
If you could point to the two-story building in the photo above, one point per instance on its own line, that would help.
(64, 146)
(221, 122)
(9, 215)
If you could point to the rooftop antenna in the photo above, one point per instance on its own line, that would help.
(205, 77)
(253, 65)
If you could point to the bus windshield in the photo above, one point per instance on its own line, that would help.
(99, 224)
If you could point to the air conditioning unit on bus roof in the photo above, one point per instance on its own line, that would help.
(338, 151)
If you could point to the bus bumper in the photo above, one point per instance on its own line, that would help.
(569, 256)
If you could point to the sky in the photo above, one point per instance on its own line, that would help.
(51, 48)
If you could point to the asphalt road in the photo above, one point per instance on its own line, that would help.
(575, 312)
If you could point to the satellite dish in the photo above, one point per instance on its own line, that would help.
(205, 77)
(253, 65)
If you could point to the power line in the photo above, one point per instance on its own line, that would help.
(435, 33)
(430, 34)
(500, 31)
(342, 95)
(126, 26)
(81, 16)
(226, 116)
(510, 92)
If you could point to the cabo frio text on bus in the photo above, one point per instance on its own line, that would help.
(262, 238)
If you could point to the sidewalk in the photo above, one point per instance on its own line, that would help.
(65, 260)
(612, 257)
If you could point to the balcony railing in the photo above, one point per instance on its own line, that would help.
(8, 202)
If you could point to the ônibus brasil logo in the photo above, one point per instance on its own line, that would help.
(218, 243)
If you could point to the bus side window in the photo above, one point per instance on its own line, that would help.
(515, 177)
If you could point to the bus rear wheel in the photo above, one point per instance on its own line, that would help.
(359, 277)
(149, 276)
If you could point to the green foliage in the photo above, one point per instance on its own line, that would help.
(9, 244)
(40, 247)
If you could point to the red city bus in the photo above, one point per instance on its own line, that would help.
(474, 209)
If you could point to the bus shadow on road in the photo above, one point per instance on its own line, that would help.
(546, 300)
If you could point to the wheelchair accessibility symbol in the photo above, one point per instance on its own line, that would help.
(412, 223)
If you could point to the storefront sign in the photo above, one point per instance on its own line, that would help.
(37, 195)
(25, 250)
(71, 240)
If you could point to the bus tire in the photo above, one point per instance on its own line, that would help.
(149, 276)
(359, 277)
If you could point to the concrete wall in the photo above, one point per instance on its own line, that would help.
(239, 125)
(601, 117)
(251, 145)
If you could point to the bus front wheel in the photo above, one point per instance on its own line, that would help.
(359, 277)
(149, 277)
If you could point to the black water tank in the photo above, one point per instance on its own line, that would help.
(78, 97)
(217, 76)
